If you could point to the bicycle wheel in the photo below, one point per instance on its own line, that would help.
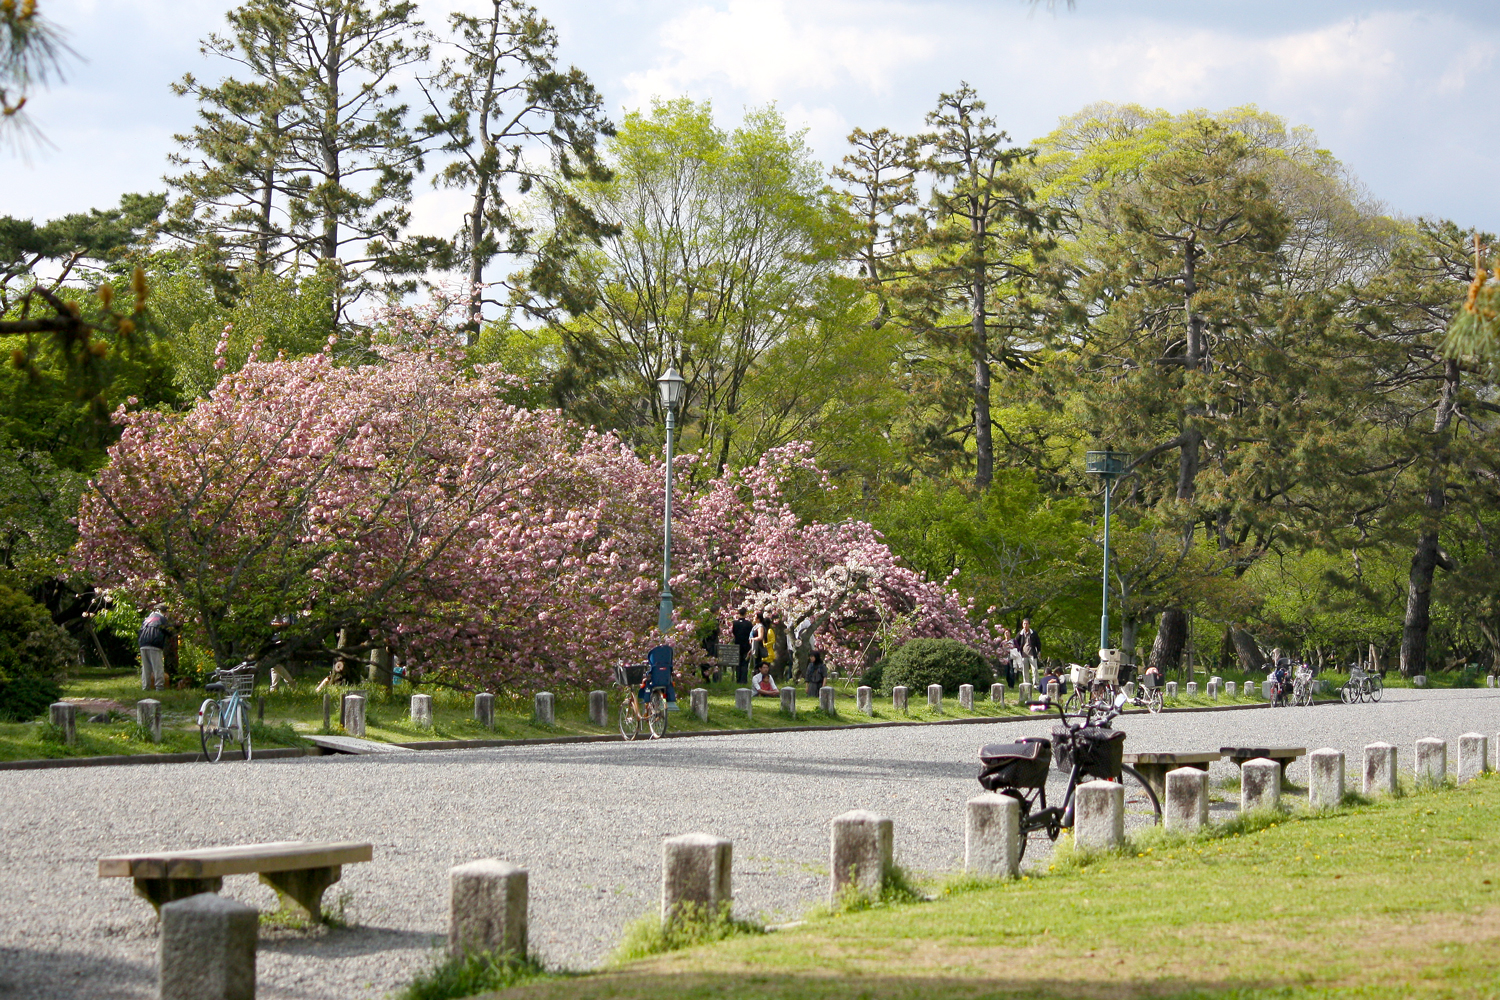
(1073, 703)
(210, 732)
(656, 718)
(1154, 700)
(243, 727)
(1364, 690)
(630, 719)
(1140, 799)
(1377, 688)
(1346, 694)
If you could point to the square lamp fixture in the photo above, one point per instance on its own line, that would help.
(1109, 464)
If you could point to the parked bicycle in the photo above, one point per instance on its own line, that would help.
(637, 712)
(1086, 749)
(226, 720)
(1302, 685)
(1362, 685)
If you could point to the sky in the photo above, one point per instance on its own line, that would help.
(1406, 94)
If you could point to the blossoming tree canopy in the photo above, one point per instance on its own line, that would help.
(502, 544)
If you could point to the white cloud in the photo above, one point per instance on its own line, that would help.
(766, 50)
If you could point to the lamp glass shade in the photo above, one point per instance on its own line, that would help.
(671, 385)
(1110, 464)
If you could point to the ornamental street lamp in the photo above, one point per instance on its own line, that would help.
(670, 385)
(1109, 466)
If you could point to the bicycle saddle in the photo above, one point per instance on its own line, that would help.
(214, 687)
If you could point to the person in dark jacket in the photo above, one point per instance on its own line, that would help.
(817, 673)
(152, 641)
(1029, 645)
(740, 630)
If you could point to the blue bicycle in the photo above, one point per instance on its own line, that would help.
(227, 720)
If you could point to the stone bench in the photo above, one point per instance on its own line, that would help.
(299, 871)
(1154, 766)
(1281, 755)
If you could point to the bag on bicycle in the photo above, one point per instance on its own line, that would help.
(1014, 765)
(1098, 751)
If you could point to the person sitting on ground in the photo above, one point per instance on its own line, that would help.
(763, 684)
(1048, 679)
(817, 674)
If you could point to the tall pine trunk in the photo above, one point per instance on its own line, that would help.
(984, 449)
(1425, 559)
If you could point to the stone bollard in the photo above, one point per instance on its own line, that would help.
(1052, 691)
(1473, 756)
(1216, 679)
(544, 708)
(207, 949)
(992, 835)
(1186, 805)
(1130, 689)
(1023, 693)
(1489, 681)
(864, 700)
(354, 715)
(698, 702)
(599, 708)
(898, 698)
(484, 709)
(860, 854)
(1380, 770)
(1192, 688)
(148, 716)
(997, 694)
(789, 700)
(744, 701)
(1099, 815)
(935, 698)
(421, 710)
(1171, 689)
(696, 870)
(1260, 785)
(1229, 688)
(1432, 761)
(1419, 681)
(64, 715)
(1265, 690)
(966, 697)
(1325, 778)
(825, 700)
(488, 908)
(1213, 688)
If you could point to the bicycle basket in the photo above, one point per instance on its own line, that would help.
(630, 676)
(238, 680)
(1098, 751)
(1014, 765)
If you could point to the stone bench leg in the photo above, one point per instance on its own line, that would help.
(302, 891)
(160, 891)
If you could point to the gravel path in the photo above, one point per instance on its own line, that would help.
(587, 820)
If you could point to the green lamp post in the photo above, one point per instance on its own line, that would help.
(1108, 466)
(670, 385)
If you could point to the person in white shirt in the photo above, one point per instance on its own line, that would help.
(764, 685)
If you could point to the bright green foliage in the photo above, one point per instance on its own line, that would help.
(920, 662)
(692, 925)
(38, 501)
(471, 974)
(33, 652)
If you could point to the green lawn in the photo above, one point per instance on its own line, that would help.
(1392, 899)
(453, 716)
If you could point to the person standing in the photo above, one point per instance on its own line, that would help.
(817, 674)
(152, 641)
(740, 630)
(1029, 645)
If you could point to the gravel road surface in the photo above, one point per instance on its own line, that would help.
(586, 820)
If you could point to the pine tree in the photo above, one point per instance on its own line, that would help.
(501, 100)
(879, 178)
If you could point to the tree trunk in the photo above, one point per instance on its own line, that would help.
(1425, 559)
(1248, 651)
(1171, 640)
(984, 448)
(1129, 627)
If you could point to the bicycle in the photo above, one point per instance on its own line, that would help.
(1361, 686)
(1086, 750)
(632, 717)
(227, 720)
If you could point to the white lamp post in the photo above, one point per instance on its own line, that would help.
(671, 385)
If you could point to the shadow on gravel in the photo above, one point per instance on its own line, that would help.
(348, 941)
(65, 975)
(677, 756)
(772, 986)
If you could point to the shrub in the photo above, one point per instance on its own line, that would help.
(33, 652)
(935, 661)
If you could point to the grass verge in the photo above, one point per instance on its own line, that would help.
(476, 972)
(1392, 898)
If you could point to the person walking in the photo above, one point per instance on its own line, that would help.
(152, 642)
(1029, 645)
(740, 629)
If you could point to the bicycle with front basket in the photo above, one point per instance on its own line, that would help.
(1087, 749)
(226, 720)
(633, 714)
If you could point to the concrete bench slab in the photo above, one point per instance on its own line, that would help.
(1155, 765)
(299, 871)
(1281, 755)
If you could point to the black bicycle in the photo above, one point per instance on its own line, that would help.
(1086, 749)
